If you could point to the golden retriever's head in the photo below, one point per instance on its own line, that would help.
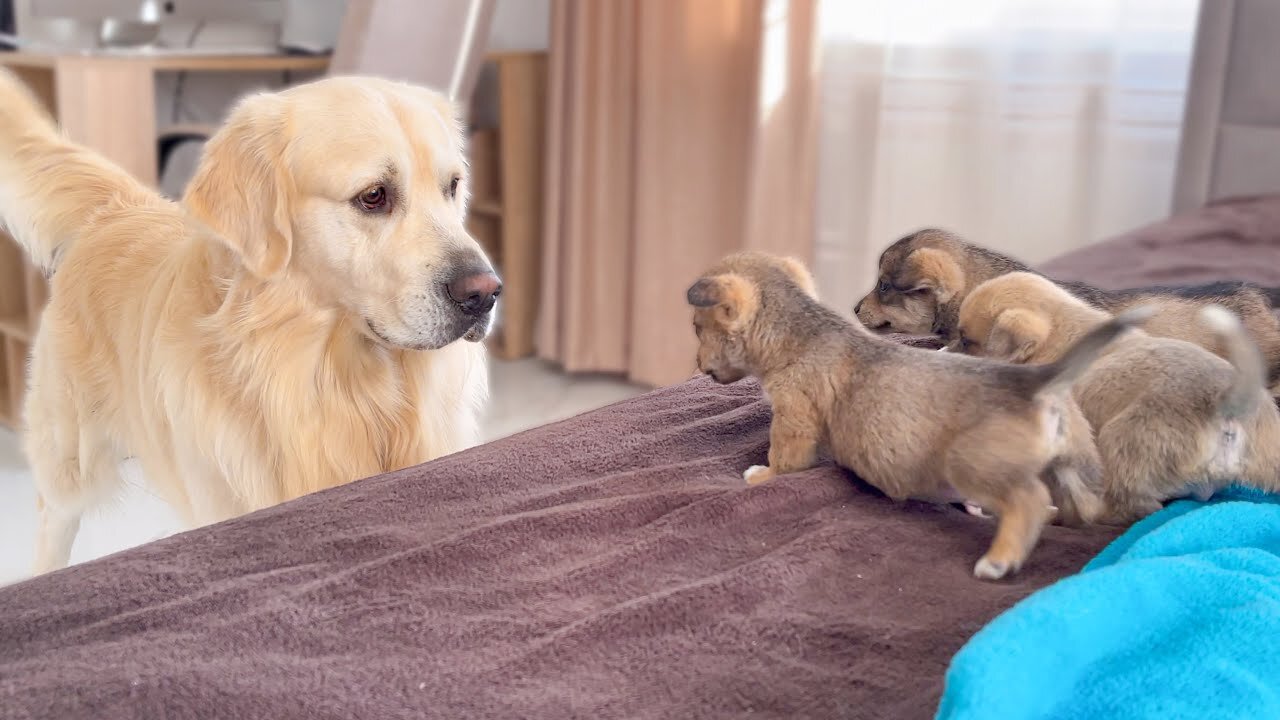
(1008, 318)
(726, 303)
(357, 187)
(914, 286)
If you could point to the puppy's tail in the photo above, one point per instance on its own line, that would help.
(1067, 369)
(51, 188)
(1242, 396)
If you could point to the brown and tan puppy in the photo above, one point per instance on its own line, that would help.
(1171, 419)
(914, 423)
(925, 276)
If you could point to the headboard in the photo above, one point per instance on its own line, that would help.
(1231, 129)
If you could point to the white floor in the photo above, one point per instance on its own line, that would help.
(525, 394)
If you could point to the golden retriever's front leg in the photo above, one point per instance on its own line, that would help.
(793, 443)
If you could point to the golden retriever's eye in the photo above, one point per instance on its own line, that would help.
(885, 288)
(453, 187)
(374, 199)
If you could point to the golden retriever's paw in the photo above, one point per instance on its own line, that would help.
(988, 569)
(757, 474)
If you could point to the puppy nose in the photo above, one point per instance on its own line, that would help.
(475, 292)
(857, 308)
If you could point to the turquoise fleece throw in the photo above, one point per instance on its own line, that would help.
(1178, 618)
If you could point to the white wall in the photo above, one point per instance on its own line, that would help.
(521, 25)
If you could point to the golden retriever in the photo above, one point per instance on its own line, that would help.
(291, 325)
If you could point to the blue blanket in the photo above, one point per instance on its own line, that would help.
(1178, 618)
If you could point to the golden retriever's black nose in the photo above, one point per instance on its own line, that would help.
(475, 293)
(857, 308)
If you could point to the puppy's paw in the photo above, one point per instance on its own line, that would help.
(988, 569)
(757, 474)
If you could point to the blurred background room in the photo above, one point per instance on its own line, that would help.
(619, 147)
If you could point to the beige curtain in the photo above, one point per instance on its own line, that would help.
(678, 132)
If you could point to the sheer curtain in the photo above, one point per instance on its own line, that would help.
(1031, 126)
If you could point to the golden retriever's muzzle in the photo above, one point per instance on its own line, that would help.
(473, 290)
(457, 302)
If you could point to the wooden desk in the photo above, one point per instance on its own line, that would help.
(108, 103)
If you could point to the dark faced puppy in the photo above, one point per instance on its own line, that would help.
(912, 422)
(925, 276)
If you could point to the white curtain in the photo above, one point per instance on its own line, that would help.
(1030, 126)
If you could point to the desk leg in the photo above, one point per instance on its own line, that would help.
(521, 134)
(110, 106)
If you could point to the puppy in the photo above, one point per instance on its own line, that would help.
(292, 325)
(1171, 419)
(912, 422)
(925, 276)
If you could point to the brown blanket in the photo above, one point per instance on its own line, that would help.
(611, 566)
(1234, 239)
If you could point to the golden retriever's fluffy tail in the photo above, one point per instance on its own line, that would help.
(1246, 390)
(1062, 373)
(50, 188)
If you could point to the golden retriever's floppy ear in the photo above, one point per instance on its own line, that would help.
(938, 272)
(734, 298)
(241, 189)
(801, 275)
(1016, 335)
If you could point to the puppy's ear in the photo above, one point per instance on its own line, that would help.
(704, 293)
(936, 272)
(242, 191)
(734, 298)
(1016, 335)
(801, 276)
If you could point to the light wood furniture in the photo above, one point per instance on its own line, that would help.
(506, 196)
(108, 103)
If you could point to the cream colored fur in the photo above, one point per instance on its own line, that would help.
(263, 339)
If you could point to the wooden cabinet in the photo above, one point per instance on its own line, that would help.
(506, 195)
(23, 292)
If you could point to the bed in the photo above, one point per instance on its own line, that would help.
(613, 565)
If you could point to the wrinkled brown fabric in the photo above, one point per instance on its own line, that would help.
(1237, 239)
(610, 566)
